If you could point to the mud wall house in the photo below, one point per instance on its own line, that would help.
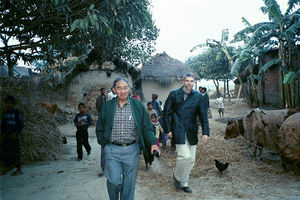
(268, 85)
(161, 75)
(270, 80)
(85, 87)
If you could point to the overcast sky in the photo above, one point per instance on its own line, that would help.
(184, 24)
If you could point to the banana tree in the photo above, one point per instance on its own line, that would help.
(281, 31)
(223, 47)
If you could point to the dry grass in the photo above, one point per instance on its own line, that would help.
(244, 173)
(41, 138)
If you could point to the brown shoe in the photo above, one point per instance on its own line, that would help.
(100, 174)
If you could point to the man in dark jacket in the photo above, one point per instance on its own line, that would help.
(101, 99)
(122, 129)
(156, 104)
(180, 112)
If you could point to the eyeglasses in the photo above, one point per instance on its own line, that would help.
(120, 89)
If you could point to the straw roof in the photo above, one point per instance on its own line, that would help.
(165, 69)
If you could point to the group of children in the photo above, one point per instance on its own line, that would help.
(157, 122)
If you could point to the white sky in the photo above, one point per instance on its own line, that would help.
(184, 24)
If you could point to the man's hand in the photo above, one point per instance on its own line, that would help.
(170, 135)
(155, 147)
(204, 139)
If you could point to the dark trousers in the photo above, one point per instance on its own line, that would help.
(102, 160)
(82, 139)
(11, 153)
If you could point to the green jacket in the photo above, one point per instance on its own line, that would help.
(106, 119)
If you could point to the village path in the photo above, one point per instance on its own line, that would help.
(69, 179)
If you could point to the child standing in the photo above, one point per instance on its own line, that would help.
(82, 122)
(157, 128)
(11, 127)
(150, 109)
(163, 138)
(220, 103)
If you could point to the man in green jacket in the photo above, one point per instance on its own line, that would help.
(122, 129)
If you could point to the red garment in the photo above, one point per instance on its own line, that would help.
(137, 98)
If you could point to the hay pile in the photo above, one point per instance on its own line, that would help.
(41, 138)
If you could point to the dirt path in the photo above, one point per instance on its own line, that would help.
(246, 177)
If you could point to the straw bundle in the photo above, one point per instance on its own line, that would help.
(41, 139)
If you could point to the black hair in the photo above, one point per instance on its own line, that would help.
(153, 115)
(154, 96)
(10, 98)
(149, 103)
(81, 104)
(102, 89)
(120, 79)
(189, 75)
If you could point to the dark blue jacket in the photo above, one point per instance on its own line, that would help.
(12, 122)
(180, 116)
(85, 120)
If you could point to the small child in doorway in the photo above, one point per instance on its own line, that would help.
(82, 122)
(11, 127)
(157, 127)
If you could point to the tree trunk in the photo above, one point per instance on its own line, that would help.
(292, 84)
(239, 92)
(255, 96)
(224, 91)
(250, 94)
(228, 91)
(281, 76)
(10, 66)
(262, 90)
(281, 89)
(216, 83)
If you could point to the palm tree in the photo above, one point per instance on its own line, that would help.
(281, 31)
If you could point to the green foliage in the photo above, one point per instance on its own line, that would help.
(55, 29)
(266, 66)
(208, 67)
(289, 77)
(282, 29)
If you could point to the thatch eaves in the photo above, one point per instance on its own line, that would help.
(165, 69)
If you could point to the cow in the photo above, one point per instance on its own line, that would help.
(277, 130)
(260, 127)
(289, 141)
(50, 107)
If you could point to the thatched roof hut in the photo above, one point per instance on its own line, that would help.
(164, 69)
(161, 75)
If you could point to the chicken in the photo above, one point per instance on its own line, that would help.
(221, 166)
